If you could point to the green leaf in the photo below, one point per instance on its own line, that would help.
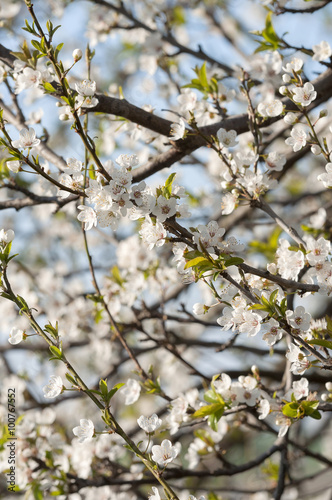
(56, 352)
(103, 388)
(269, 33)
(211, 397)
(291, 410)
(321, 342)
(204, 411)
(233, 261)
(49, 87)
(196, 261)
(170, 179)
(57, 50)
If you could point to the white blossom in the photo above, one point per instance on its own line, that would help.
(227, 137)
(27, 139)
(15, 336)
(88, 216)
(6, 236)
(84, 431)
(326, 178)
(131, 391)
(178, 130)
(164, 454)
(322, 51)
(270, 108)
(149, 424)
(304, 95)
(54, 387)
(298, 138)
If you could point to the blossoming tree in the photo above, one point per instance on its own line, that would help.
(165, 251)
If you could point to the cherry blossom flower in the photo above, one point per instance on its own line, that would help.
(299, 362)
(178, 130)
(284, 423)
(301, 388)
(273, 332)
(270, 108)
(131, 391)
(209, 235)
(326, 178)
(187, 100)
(29, 78)
(298, 138)
(164, 454)
(251, 323)
(152, 234)
(299, 319)
(6, 236)
(322, 51)
(14, 166)
(227, 137)
(164, 208)
(88, 216)
(155, 495)
(275, 161)
(84, 431)
(149, 424)
(228, 203)
(86, 88)
(304, 95)
(54, 387)
(27, 139)
(15, 336)
(263, 409)
(294, 65)
(318, 250)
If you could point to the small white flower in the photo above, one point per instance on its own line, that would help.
(6, 236)
(290, 118)
(299, 319)
(86, 88)
(164, 208)
(164, 454)
(178, 130)
(301, 388)
(88, 216)
(131, 391)
(270, 108)
(155, 495)
(27, 139)
(15, 336)
(326, 178)
(263, 409)
(54, 387)
(228, 203)
(149, 424)
(295, 65)
(14, 166)
(298, 138)
(304, 95)
(84, 431)
(275, 161)
(321, 51)
(227, 137)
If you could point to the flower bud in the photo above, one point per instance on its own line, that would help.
(323, 113)
(286, 78)
(77, 55)
(315, 149)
